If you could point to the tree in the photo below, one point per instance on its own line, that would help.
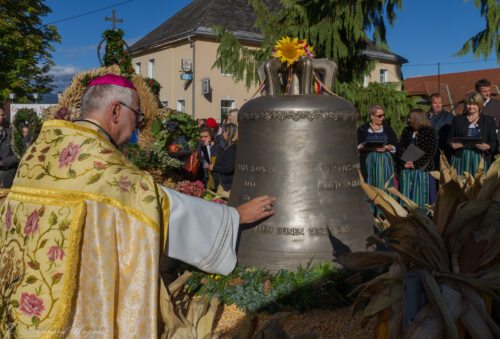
(337, 30)
(487, 40)
(25, 48)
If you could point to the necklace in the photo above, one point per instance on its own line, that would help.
(375, 129)
(471, 119)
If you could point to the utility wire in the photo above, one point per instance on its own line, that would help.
(448, 63)
(90, 12)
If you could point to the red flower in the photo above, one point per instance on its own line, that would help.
(55, 253)
(41, 158)
(32, 223)
(8, 218)
(124, 184)
(69, 155)
(31, 304)
(99, 165)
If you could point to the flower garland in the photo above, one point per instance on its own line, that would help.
(24, 118)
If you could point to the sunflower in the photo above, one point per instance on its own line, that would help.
(289, 50)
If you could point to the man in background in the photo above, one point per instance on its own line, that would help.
(491, 106)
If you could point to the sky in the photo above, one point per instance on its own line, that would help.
(426, 32)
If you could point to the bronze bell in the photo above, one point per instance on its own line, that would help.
(302, 149)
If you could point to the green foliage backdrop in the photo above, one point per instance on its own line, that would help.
(397, 104)
(25, 48)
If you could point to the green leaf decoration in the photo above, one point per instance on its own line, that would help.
(72, 173)
(156, 127)
(64, 225)
(35, 321)
(52, 219)
(149, 199)
(43, 243)
(58, 132)
(95, 178)
(14, 303)
(31, 279)
(83, 156)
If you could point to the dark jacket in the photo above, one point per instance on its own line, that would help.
(392, 139)
(224, 167)
(426, 140)
(441, 122)
(492, 109)
(7, 158)
(485, 127)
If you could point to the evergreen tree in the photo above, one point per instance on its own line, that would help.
(337, 30)
(25, 48)
(487, 40)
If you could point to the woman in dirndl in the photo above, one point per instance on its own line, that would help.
(472, 124)
(415, 181)
(377, 165)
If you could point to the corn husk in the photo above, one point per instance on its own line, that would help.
(456, 255)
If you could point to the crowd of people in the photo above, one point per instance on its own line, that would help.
(217, 151)
(406, 162)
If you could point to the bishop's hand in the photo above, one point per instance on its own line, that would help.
(256, 209)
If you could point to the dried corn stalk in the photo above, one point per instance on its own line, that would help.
(185, 316)
(456, 255)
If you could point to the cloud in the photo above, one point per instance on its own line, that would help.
(62, 76)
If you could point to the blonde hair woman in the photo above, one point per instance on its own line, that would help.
(474, 125)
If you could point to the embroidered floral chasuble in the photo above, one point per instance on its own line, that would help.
(80, 240)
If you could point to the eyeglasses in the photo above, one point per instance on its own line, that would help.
(378, 115)
(139, 116)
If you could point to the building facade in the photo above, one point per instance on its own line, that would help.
(180, 54)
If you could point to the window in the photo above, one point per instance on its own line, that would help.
(225, 106)
(366, 81)
(164, 103)
(138, 68)
(224, 71)
(384, 76)
(181, 105)
(151, 68)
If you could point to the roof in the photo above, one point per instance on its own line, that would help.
(454, 87)
(198, 18)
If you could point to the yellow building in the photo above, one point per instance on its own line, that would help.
(185, 45)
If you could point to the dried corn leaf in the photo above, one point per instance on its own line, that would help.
(178, 283)
(449, 197)
(395, 322)
(403, 198)
(476, 326)
(196, 309)
(389, 296)
(434, 295)
(491, 184)
(171, 320)
(427, 325)
(473, 299)
(206, 322)
(365, 260)
(393, 211)
(490, 223)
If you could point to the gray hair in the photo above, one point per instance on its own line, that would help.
(374, 108)
(97, 98)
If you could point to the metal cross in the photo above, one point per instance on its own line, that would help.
(113, 19)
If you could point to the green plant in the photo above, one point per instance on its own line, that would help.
(24, 117)
(253, 289)
(153, 85)
(115, 51)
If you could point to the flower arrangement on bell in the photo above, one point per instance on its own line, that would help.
(289, 50)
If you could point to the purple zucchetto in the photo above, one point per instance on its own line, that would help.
(112, 79)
